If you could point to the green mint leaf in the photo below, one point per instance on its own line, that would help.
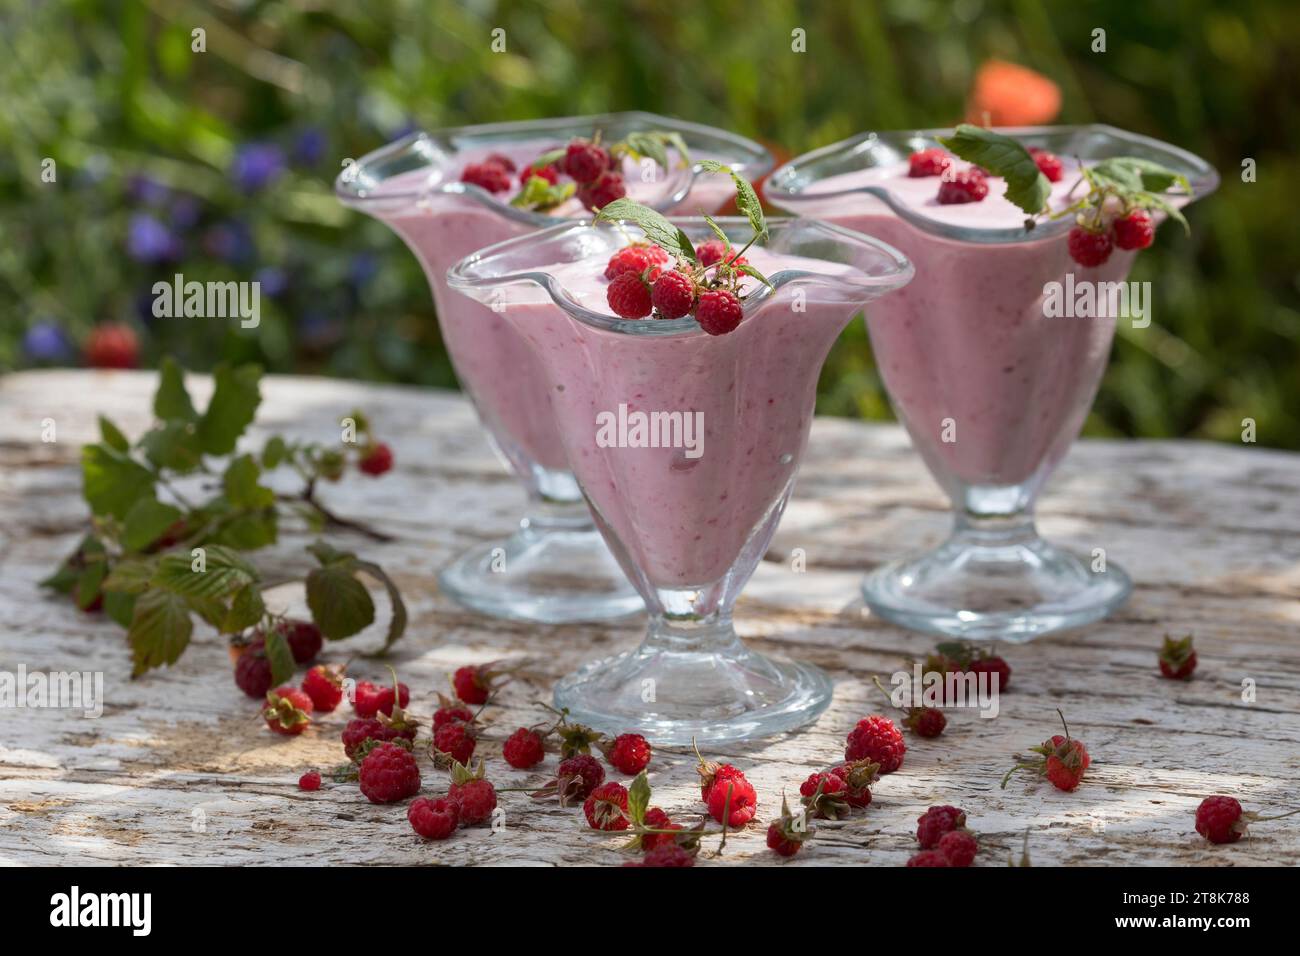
(1002, 156)
(234, 403)
(747, 269)
(747, 200)
(241, 485)
(280, 656)
(173, 445)
(396, 626)
(224, 571)
(1140, 174)
(657, 229)
(717, 231)
(340, 604)
(160, 629)
(146, 521)
(638, 799)
(112, 436)
(647, 144)
(539, 194)
(172, 401)
(112, 482)
(676, 141)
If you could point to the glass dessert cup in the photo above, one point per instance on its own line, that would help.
(992, 391)
(687, 526)
(555, 568)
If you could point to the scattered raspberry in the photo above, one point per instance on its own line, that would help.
(876, 738)
(112, 345)
(253, 670)
(303, 637)
(524, 748)
(926, 721)
(474, 796)
(935, 822)
(628, 296)
(606, 807)
(1177, 658)
(657, 819)
(324, 685)
(1134, 231)
(997, 668)
(585, 161)
(629, 754)
(388, 774)
(1088, 247)
(733, 800)
(549, 173)
(362, 729)
(928, 162)
(376, 459)
(1218, 819)
(668, 854)
(449, 711)
(576, 778)
(719, 311)
(929, 858)
(502, 160)
(309, 781)
(475, 684)
(1061, 759)
(602, 192)
(287, 711)
(712, 773)
(858, 776)
(961, 658)
(673, 294)
(455, 740)
(433, 819)
(825, 795)
(969, 185)
(638, 257)
(787, 833)
(1049, 164)
(369, 699)
(491, 176)
(959, 847)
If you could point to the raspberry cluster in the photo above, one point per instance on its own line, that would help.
(593, 168)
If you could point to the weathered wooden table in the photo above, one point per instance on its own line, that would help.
(178, 769)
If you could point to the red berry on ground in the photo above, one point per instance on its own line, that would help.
(928, 162)
(388, 774)
(825, 795)
(288, 711)
(926, 721)
(787, 834)
(959, 847)
(1177, 658)
(524, 748)
(1088, 247)
(638, 257)
(1218, 819)
(456, 740)
(303, 637)
(657, 819)
(1049, 164)
(858, 777)
(969, 185)
(734, 800)
(433, 819)
(1134, 231)
(376, 459)
(475, 684)
(719, 311)
(999, 671)
(577, 777)
(309, 781)
(602, 192)
(673, 294)
(628, 296)
(929, 858)
(935, 822)
(474, 796)
(253, 670)
(585, 161)
(1062, 759)
(369, 698)
(666, 855)
(324, 685)
(875, 738)
(629, 754)
(112, 345)
(606, 807)
(491, 176)
(361, 729)
(450, 711)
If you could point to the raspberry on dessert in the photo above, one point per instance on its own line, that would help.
(628, 296)
(629, 754)
(502, 160)
(929, 858)
(288, 711)
(928, 162)
(309, 781)
(388, 774)
(1135, 230)
(491, 176)
(361, 730)
(369, 699)
(606, 807)
(253, 670)
(959, 847)
(1049, 164)
(969, 185)
(673, 294)
(1177, 658)
(714, 251)
(1089, 247)
(585, 161)
(456, 740)
(638, 257)
(433, 819)
(324, 685)
(657, 819)
(524, 748)
(935, 822)
(548, 173)
(876, 738)
(474, 796)
(719, 312)
(376, 459)
(599, 194)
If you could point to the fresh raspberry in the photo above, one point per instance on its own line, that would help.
(629, 754)
(493, 177)
(1049, 164)
(928, 162)
(1218, 819)
(657, 819)
(825, 795)
(736, 798)
(433, 819)
(324, 685)
(362, 729)
(576, 778)
(303, 637)
(474, 685)
(502, 160)
(876, 738)
(288, 711)
(606, 807)
(714, 251)
(667, 854)
(719, 311)
(969, 185)
(309, 781)
(388, 774)
(1088, 247)
(935, 822)
(1134, 231)
(474, 796)
(628, 296)
(448, 711)
(112, 345)
(1061, 759)
(712, 773)
(253, 670)
(585, 161)
(1177, 658)
(929, 858)
(638, 257)
(673, 294)
(787, 833)
(524, 748)
(369, 699)
(602, 192)
(456, 740)
(376, 459)
(959, 847)
(858, 777)
(926, 721)
(997, 668)
(548, 173)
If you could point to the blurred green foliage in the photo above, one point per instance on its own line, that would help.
(161, 153)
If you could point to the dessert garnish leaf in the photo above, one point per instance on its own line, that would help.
(746, 198)
(1002, 156)
(657, 229)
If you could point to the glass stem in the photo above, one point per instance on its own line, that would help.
(995, 516)
(708, 635)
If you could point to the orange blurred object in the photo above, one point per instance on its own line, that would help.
(1005, 94)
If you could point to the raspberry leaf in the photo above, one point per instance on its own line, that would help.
(146, 522)
(1135, 174)
(160, 629)
(172, 401)
(280, 656)
(112, 436)
(112, 482)
(221, 573)
(657, 229)
(1002, 156)
(638, 799)
(340, 604)
(235, 398)
(747, 200)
